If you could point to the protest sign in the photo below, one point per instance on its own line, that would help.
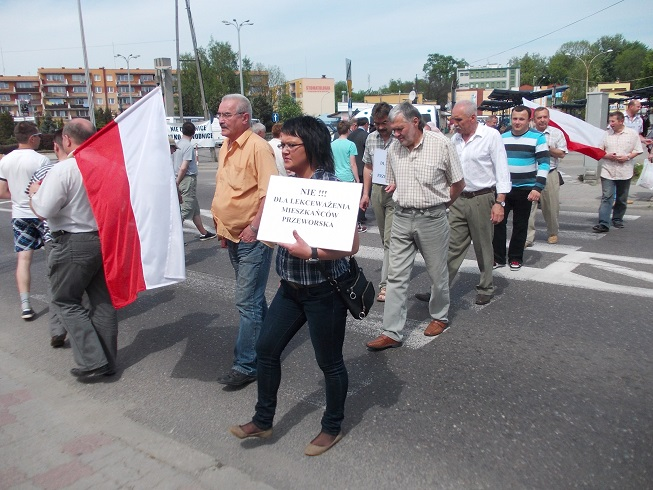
(203, 136)
(378, 167)
(323, 212)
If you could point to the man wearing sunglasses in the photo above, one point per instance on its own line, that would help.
(16, 169)
(245, 164)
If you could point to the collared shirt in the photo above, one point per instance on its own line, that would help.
(185, 151)
(294, 269)
(635, 123)
(63, 201)
(424, 175)
(555, 139)
(528, 159)
(484, 161)
(244, 170)
(375, 142)
(17, 168)
(278, 157)
(621, 143)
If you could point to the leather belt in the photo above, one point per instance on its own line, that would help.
(479, 192)
(60, 233)
(57, 234)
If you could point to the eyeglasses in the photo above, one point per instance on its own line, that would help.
(38, 134)
(290, 146)
(226, 115)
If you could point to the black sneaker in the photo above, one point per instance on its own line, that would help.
(618, 224)
(515, 265)
(27, 314)
(600, 229)
(207, 236)
(236, 378)
(496, 265)
(92, 374)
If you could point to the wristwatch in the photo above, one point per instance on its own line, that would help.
(501, 203)
(314, 258)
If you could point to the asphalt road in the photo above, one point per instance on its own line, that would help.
(548, 386)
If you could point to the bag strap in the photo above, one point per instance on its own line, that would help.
(328, 276)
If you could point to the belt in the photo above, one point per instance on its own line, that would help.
(479, 192)
(419, 210)
(296, 285)
(59, 233)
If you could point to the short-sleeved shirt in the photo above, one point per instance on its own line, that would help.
(342, 150)
(244, 170)
(63, 201)
(424, 175)
(635, 123)
(298, 270)
(185, 151)
(17, 169)
(621, 143)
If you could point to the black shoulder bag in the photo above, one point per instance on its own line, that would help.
(355, 290)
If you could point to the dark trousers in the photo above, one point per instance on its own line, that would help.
(517, 202)
(75, 267)
(326, 314)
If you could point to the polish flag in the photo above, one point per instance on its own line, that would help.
(581, 136)
(127, 174)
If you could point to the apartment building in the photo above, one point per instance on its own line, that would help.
(20, 96)
(489, 77)
(65, 93)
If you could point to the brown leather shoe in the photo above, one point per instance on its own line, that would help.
(483, 299)
(436, 327)
(383, 342)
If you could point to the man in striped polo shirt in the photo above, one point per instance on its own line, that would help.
(528, 162)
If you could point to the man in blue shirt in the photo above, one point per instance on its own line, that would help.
(528, 163)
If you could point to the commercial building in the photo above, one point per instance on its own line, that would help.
(488, 77)
(315, 95)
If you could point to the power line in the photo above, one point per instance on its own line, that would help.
(552, 32)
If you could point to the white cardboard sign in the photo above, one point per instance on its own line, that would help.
(323, 212)
(378, 166)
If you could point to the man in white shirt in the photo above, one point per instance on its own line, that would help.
(621, 145)
(75, 262)
(634, 121)
(480, 205)
(16, 170)
(550, 196)
(274, 143)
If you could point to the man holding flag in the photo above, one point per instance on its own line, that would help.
(75, 263)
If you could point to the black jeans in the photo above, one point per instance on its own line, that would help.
(517, 202)
(326, 314)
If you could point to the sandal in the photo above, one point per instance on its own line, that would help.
(381, 297)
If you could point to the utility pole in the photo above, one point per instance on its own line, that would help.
(181, 107)
(89, 89)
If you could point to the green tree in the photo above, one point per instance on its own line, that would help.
(6, 127)
(440, 71)
(534, 68)
(262, 110)
(102, 117)
(288, 108)
(47, 125)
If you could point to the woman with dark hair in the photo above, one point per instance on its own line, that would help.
(304, 296)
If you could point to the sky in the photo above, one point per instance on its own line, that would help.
(384, 40)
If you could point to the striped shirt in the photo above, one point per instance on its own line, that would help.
(424, 175)
(528, 159)
(300, 271)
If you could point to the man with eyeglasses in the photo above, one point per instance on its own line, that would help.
(245, 165)
(16, 170)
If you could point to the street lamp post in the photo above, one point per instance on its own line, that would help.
(240, 58)
(129, 78)
(587, 67)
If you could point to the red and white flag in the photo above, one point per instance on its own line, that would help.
(127, 174)
(581, 136)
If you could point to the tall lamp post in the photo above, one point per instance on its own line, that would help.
(129, 78)
(240, 58)
(587, 67)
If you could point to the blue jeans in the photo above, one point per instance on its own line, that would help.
(326, 314)
(251, 262)
(609, 189)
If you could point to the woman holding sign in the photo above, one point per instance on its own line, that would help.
(304, 296)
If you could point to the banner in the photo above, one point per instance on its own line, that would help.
(203, 137)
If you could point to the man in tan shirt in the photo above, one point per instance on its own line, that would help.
(246, 163)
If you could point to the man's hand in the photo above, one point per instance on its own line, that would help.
(496, 214)
(534, 195)
(247, 235)
(365, 202)
(390, 188)
(33, 188)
